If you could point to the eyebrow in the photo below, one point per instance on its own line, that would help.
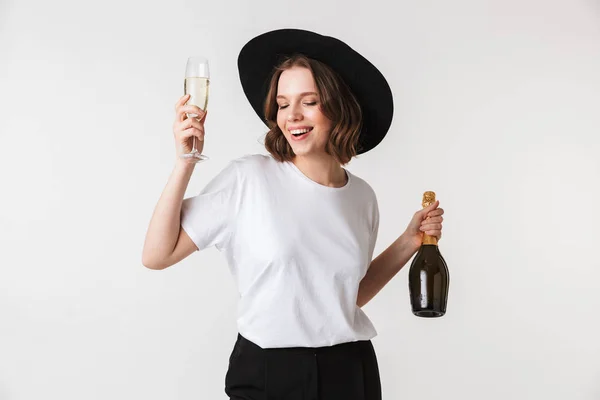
(301, 95)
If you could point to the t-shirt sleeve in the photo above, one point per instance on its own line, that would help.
(208, 217)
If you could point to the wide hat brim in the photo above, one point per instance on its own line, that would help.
(259, 57)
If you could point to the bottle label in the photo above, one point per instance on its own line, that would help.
(423, 296)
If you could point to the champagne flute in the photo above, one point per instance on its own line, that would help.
(196, 85)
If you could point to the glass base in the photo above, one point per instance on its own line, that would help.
(194, 157)
(429, 313)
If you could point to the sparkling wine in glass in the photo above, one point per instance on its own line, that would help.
(196, 84)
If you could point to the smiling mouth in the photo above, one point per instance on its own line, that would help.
(300, 132)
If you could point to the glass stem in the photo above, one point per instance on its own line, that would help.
(194, 144)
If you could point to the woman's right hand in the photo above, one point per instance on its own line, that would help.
(185, 128)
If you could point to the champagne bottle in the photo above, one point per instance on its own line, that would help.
(428, 276)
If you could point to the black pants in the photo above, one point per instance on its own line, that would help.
(347, 371)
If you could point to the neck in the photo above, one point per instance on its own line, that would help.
(322, 169)
(429, 240)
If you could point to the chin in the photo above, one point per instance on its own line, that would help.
(306, 148)
(307, 152)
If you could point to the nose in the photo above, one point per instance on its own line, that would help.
(295, 113)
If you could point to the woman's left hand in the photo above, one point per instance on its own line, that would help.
(426, 221)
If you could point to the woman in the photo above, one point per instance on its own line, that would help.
(298, 230)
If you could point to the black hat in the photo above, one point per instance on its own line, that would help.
(259, 57)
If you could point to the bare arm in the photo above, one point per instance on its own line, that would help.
(384, 268)
(387, 264)
(166, 242)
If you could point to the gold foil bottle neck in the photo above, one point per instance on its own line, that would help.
(429, 239)
(428, 199)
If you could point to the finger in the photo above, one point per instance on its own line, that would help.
(181, 115)
(193, 109)
(191, 123)
(186, 111)
(195, 114)
(181, 101)
(188, 133)
(437, 234)
(203, 118)
(436, 212)
(431, 207)
(429, 227)
(425, 212)
(432, 220)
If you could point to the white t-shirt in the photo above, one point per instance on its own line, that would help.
(296, 249)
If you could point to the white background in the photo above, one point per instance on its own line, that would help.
(497, 109)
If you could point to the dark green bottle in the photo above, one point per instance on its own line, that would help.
(428, 276)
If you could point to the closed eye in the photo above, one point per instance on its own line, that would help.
(281, 107)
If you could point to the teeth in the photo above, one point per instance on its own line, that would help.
(299, 131)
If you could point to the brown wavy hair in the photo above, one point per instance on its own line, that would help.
(336, 102)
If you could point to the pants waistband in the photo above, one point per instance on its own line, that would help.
(348, 346)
